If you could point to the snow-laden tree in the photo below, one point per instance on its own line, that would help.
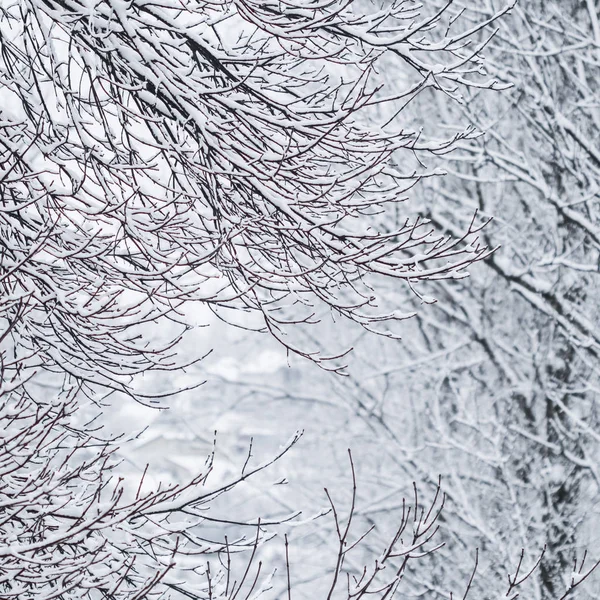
(155, 153)
(237, 155)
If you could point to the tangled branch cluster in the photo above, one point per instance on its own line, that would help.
(70, 528)
(156, 153)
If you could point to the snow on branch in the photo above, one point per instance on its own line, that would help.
(159, 153)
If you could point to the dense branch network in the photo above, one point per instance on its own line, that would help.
(155, 154)
(71, 528)
(158, 154)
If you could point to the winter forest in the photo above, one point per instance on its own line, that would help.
(299, 299)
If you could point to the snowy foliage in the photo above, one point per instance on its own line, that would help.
(279, 164)
(159, 153)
